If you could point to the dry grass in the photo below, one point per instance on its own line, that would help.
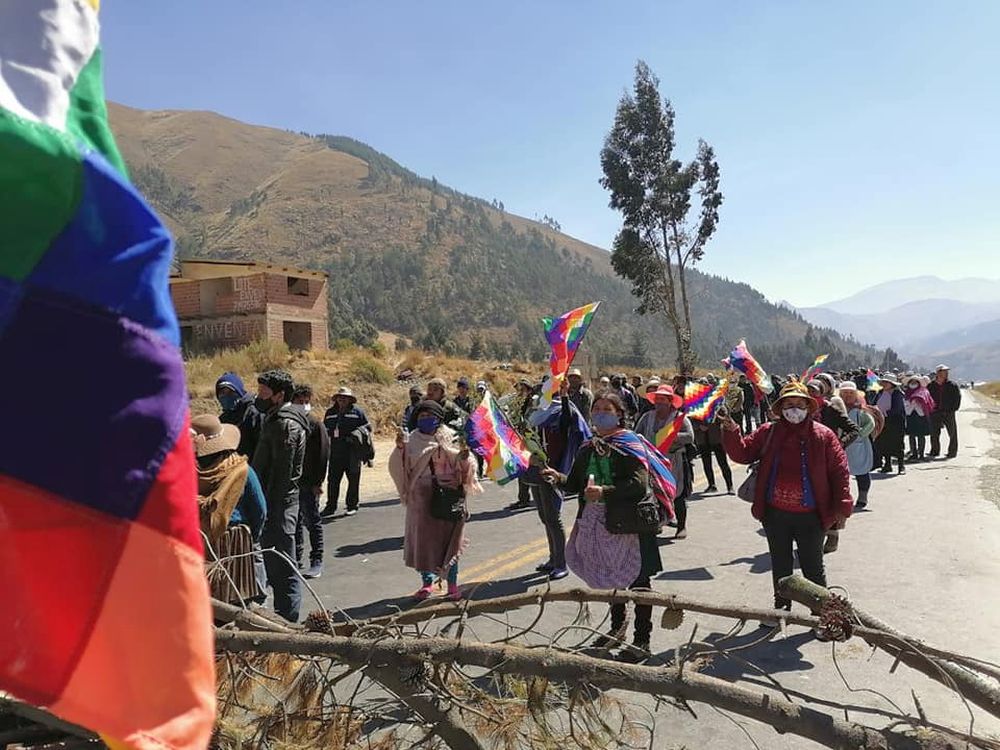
(370, 373)
(990, 389)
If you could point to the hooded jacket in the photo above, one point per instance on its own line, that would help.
(279, 458)
(244, 415)
(317, 453)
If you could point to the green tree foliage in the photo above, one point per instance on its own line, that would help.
(663, 233)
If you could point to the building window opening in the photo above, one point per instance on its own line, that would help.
(298, 287)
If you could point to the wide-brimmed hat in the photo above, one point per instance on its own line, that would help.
(889, 379)
(574, 372)
(794, 390)
(848, 385)
(346, 392)
(941, 368)
(665, 390)
(210, 436)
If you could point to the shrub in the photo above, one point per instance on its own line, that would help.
(265, 354)
(402, 344)
(364, 368)
(378, 349)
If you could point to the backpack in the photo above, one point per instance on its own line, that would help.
(879, 418)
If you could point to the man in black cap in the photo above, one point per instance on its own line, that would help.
(350, 438)
(311, 488)
(278, 461)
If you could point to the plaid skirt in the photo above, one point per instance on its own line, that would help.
(601, 559)
(232, 575)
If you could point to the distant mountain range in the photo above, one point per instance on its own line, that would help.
(926, 319)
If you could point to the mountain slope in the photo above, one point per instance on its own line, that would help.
(408, 255)
(886, 296)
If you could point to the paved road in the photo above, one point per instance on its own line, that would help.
(925, 556)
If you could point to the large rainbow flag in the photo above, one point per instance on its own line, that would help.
(564, 335)
(741, 359)
(106, 619)
(489, 434)
(815, 367)
(702, 401)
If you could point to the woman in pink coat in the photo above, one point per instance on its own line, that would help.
(803, 483)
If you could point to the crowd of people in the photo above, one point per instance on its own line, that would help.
(262, 462)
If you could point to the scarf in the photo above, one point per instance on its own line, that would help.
(409, 463)
(629, 443)
(923, 397)
(220, 487)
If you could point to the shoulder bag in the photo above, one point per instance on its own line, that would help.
(447, 503)
(748, 489)
(644, 516)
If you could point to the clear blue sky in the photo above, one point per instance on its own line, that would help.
(859, 141)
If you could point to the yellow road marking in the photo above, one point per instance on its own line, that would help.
(513, 560)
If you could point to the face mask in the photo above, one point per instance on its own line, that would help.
(912, 386)
(229, 401)
(263, 405)
(795, 416)
(414, 400)
(428, 425)
(307, 408)
(604, 421)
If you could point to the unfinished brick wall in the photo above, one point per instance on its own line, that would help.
(235, 310)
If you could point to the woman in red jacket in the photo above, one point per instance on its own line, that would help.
(803, 483)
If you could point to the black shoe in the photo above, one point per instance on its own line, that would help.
(328, 512)
(902, 469)
(635, 653)
(932, 454)
(887, 470)
(519, 505)
(315, 570)
(711, 488)
(612, 638)
(558, 574)
(545, 567)
(952, 455)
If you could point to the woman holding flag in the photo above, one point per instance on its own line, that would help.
(616, 466)
(669, 429)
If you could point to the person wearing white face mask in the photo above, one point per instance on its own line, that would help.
(803, 483)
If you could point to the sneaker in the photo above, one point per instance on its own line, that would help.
(558, 573)
(545, 567)
(315, 571)
(424, 592)
(350, 511)
(454, 593)
(635, 653)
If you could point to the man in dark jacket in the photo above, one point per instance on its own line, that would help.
(454, 417)
(579, 394)
(749, 404)
(278, 461)
(462, 399)
(238, 409)
(311, 487)
(347, 427)
(948, 400)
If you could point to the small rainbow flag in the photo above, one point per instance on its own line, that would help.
(564, 335)
(741, 359)
(702, 401)
(666, 434)
(872, 379)
(489, 434)
(815, 367)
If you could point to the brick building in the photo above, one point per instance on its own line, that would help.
(229, 304)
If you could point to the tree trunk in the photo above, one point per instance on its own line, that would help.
(781, 714)
(682, 336)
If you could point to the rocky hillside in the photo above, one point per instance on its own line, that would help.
(408, 255)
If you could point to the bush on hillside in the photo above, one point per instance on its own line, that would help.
(364, 368)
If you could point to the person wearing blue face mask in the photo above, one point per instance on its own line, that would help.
(238, 409)
(432, 455)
